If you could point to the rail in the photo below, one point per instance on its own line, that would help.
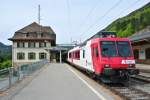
(10, 76)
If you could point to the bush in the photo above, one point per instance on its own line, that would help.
(6, 64)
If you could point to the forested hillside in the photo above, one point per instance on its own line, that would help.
(5, 56)
(131, 23)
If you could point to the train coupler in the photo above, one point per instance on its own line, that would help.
(133, 71)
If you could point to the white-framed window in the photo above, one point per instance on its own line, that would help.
(31, 56)
(31, 44)
(20, 44)
(20, 56)
(27, 35)
(42, 44)
(42, 55)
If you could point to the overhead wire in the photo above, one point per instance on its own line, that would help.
(69, 18)
(127, 8)
(101, 17)
(89, 13)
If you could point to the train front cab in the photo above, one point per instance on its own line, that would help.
(113, 58)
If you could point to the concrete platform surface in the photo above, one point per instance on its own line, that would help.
(143, 67)
(62, 82)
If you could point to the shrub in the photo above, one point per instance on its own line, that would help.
(6, 64)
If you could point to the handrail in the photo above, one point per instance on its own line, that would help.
(14, 74)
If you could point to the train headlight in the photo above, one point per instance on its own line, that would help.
(131, 65)
(106, 65)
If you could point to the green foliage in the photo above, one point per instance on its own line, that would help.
(6, 64)
(5, 56)
(132, 23)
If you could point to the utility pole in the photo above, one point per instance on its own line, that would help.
(39, 14)
(39, 20)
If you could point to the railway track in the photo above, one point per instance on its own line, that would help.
(130, 93)
(143, 77)
(136, 89)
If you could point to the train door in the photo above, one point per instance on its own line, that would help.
(95, 57)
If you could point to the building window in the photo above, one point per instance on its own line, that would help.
(42, 44)
(31, 44)
(31, 56)
(42, 34)
(147, 51)
(27, 34)
(20, 44)
(42, 55)
(20, 56)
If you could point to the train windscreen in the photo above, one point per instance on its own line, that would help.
(113, 49)
(124, 49)
(108, 49)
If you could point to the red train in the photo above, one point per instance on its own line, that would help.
(108, 57)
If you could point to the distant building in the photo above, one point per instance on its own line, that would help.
(141, 45)
(30, 44)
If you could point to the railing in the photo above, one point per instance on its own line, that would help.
(10, 76)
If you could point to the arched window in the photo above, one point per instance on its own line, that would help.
(31, 56)
(20, 56)
(147, 52)
(42, 55)
(136, 54)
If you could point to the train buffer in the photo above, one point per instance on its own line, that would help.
(63, 82)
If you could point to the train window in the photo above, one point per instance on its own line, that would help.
(124, 49)
(83, 53)
(74, 56)
(108, 49)
(69, 55)
(78, 54)
(96, 52)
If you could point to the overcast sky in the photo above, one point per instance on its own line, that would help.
(70, 19)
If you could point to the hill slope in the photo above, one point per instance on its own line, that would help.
(5, 52)
(5, 48)
(131, 23)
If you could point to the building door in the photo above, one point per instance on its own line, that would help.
(147, 51)
(53, 56)
(136, 54)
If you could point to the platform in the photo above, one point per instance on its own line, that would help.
(62, 82)
(143, 67)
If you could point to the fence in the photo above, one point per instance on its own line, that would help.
(10, 76)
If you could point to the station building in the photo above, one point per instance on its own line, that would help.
(141, 46)
(35, 43)
(30, 42)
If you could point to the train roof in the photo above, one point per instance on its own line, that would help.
(75, 48)
(111, 39)
(100, 34)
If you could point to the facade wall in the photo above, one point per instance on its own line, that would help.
(27, 50)
(141, 55)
